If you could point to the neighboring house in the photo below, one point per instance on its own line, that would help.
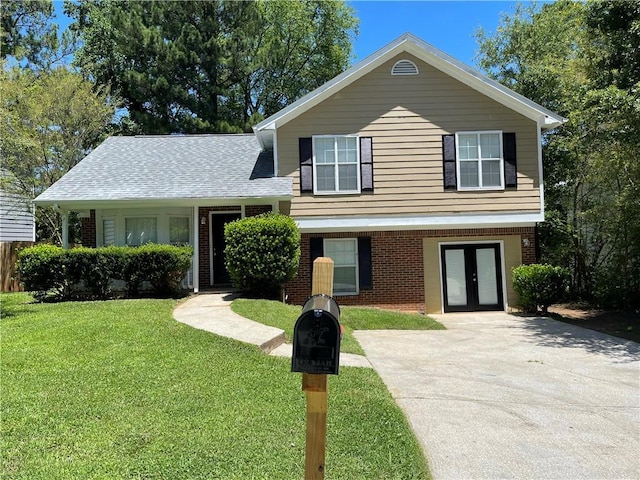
(420, 177)
(17, 229)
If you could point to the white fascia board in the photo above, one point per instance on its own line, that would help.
(89, 204)
(421, 222)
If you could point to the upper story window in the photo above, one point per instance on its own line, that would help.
(480, 161)
(335, 164)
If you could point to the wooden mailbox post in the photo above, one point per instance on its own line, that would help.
(323, 358)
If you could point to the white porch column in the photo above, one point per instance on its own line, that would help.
(196, 247)
(65, 229)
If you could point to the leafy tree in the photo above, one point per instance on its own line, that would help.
(581, 60)
(50, 122)
(211, 66)
(29, 35)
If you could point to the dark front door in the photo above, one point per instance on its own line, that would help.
(219, 274)
(472, 277)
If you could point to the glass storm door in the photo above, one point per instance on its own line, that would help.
(471, 277)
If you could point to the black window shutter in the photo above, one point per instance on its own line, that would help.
(449, 161)
(366, 164)
(306, 164)
(316, 249)
(510, 167)
(364, 263)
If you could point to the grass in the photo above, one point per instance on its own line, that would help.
(120, 390)
(280, 315)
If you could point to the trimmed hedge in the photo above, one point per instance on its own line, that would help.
(262, 253)
(67, 274)
(539, 286)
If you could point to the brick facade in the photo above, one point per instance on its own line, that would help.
(88, 234)
(397, 264)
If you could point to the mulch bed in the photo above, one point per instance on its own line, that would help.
(619, 324)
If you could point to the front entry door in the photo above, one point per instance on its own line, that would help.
(472, 277)
(219, 274)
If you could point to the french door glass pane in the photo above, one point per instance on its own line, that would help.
(487, 276)
(456, 278)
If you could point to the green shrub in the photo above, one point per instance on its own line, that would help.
(539, 286)
(46, 268)
(163, 266)
(41, 270)
(262, 253)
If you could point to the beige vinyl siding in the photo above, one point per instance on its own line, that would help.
(407, 116)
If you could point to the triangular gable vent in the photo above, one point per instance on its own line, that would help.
(404, 67)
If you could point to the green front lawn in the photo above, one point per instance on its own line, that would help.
(280, 315)
(119, 390)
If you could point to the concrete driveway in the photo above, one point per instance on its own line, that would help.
(502, 396)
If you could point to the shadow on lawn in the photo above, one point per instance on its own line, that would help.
(553, 333)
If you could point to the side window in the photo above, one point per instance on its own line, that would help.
(344, 253)
(108, 232)
(139, 230)
(179, 230)
(352, 257)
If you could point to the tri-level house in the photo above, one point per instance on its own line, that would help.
(420, 177)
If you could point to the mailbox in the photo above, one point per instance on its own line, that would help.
(316, 337)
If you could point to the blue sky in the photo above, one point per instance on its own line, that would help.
(447, 25)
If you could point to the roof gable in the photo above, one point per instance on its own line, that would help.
(410, 44)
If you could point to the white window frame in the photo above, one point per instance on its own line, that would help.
(337, 190)
(480, 160)
(355, 264)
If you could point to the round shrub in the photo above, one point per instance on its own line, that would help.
(262, 253)
(539, 286)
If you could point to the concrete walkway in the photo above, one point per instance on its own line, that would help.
(212, 312)
(498, 396)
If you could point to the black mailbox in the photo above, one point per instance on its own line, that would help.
(316, 337)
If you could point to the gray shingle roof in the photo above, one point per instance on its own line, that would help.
(188, 167)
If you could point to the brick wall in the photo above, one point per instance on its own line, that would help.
(397, 264)
(253, 210)
(88, 235)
